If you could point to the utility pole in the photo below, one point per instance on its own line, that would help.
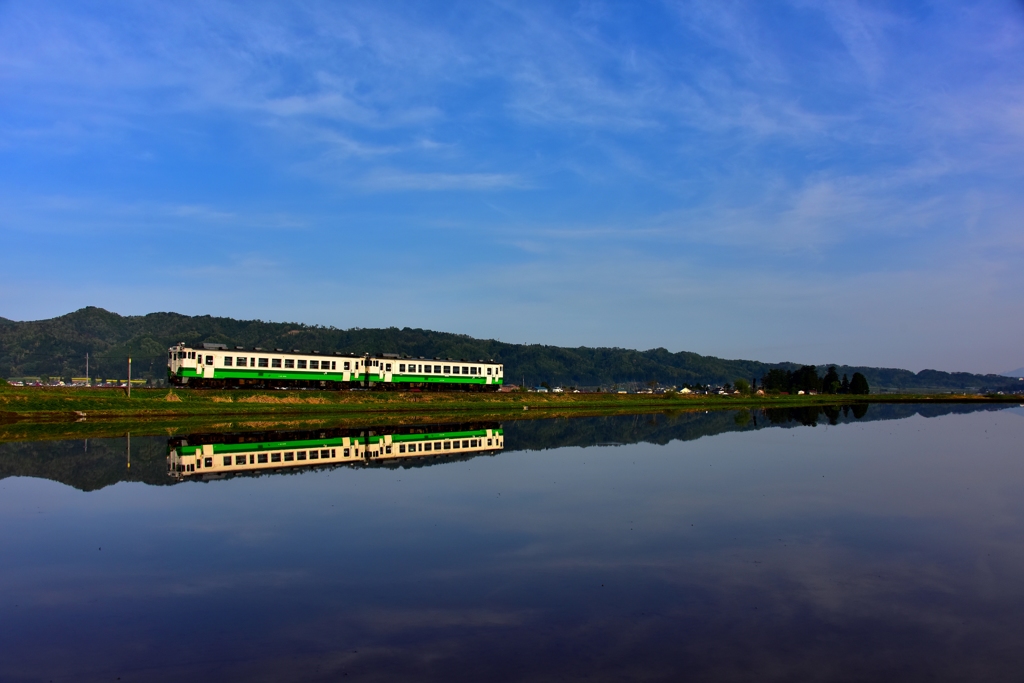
(87, 368)
(129, 448)
(129, 389)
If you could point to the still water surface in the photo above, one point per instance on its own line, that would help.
(720, 546)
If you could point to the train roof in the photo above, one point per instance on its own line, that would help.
(207, 346)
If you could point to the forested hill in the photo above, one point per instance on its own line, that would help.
(57, 347)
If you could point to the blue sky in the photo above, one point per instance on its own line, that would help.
(816, 182)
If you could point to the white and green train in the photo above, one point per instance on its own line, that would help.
(209, 456)
(215, 366)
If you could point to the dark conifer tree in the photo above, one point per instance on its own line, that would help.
(831, 384)
(845, 387)
(859, 384)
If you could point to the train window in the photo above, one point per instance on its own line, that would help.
(170, 355)
(207, 462)
(314, 365)
(313, 455)
(401, 367)
(333, 454)
(401, 448)
(289, 363)
(264, 362)
(300, 455)
(447, 445)
(227, 361)
(334, 365)
(488, 371)
(346, 366)
(241, 362)
(209, 360)
(387, 368)
(227, 459)
(252, 362)
(275, 457)
(275, 362)
(465, 370)
(425, 447)
(301, 364)
(288, 457)
(262, 458)
(447, 369)
(489, 441)
(239, 459)
(345, 452)
(426, 368)
(181, 355)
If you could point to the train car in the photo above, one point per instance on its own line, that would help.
(215, 366)
(391, 371)
(212, 456)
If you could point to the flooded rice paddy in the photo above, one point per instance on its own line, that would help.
(875, 542)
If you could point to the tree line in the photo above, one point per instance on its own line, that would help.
(806, 379)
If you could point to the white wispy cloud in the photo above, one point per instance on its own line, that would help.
(385, 179)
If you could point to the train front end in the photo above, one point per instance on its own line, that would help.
(181, 364)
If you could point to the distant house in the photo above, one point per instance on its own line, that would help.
(685, 390)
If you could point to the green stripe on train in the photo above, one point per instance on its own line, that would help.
(219, 373)
(221, 448)
(333, 376)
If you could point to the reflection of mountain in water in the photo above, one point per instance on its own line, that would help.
(88, 464)
(97, 463)
(661, 428)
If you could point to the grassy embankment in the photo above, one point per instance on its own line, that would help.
(28, 411)
(72, 403)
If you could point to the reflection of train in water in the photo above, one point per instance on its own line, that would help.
(214, 366)
(207, 456)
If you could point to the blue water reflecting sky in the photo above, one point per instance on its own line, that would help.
(889, 549)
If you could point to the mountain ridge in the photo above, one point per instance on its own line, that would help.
(58, 347)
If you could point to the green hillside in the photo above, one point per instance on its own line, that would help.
(57, 347)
